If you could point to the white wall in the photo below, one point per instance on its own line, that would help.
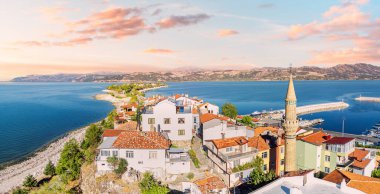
(215, 132)
(167, 109)
(178, 167)
(370, 167)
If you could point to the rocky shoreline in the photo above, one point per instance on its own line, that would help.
(13, 176)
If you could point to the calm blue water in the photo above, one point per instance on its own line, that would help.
(33, 114)
(251, 96)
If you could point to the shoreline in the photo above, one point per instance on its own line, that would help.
(13, 175)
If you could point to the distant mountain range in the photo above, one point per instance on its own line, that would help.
(360, 71)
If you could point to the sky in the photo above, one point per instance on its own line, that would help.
(87, 36)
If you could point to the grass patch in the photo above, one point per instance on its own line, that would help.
(194, 158)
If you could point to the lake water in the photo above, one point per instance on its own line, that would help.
(257, 96)
(33, 114)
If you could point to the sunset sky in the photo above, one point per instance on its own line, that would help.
(48, 37)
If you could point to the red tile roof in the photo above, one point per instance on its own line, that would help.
(260, 130)
(141, 140)
(316, 138)
(130, 105)
(359, 154)
(259, 143)
(356, 181)
(194, 111)
(361, 163)
(131, 125)
(112, 132)
(228, 142)
(208, 117)
(206, 185)
(339, 140)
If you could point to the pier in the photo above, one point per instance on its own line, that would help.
(368, 99)
(302, 110)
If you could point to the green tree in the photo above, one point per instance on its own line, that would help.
(92, 137)
(119, 165)
(258, 177)
(149, 185)
(49, 169)
(30, 181)
(247, 120)
(71, 160)
(376, 173)
(229, 110)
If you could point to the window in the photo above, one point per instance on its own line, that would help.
(327, 147)
(105, 153)
(327, 170)
(129, 154)
(339, 149)
(166, 120)
(151, 121)
(264, 155)
(282, 162)
(140, 162)
(152, 155)
(181, 120)
(327, 158)
(115, 153)
(229, 149)
(195, 119)
(265, 167)
(181, 132)
(282, 150)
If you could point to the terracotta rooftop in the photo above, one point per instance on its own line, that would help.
(228, 142)
(141, 140)
(359, 154)
(339, 140)
(130, 105)
(259, 143)
(112, 132)
(194, 111)
(206, 185)
(208, 117)
(177, 96)
(296, 173)
(130, 125)
(316, 138)
(361, 163)
(260, 130)
(356, 181)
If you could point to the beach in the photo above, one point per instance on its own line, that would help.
(13, 176)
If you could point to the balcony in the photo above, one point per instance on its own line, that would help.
(234, 155)
(344, 163)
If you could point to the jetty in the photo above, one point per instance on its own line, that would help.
(368, 99)
(302, 110)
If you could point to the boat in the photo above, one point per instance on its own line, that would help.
(374, 131)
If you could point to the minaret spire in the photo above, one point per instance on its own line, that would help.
(290, 125)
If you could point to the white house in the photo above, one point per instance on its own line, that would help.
(186, 100)
(208, 108)
(144, 151)
(169, 116)
(363, 163)
(218, 127)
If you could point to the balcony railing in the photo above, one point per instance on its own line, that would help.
(343, 164)
(233, 156)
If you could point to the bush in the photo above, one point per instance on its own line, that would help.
(119, 165)
(71, 160)
(376, 173)
(30, 181)
(20, 191)
(190, 175)
(194, 158)
(149, 185)
(92, 137)
(49, 169)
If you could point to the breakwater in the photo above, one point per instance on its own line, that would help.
(368, 99)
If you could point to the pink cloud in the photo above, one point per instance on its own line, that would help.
(343, 23)
(227, 32)
(174, 21)
(158, 51)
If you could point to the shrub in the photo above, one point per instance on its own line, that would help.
(49, 169)
(194, 158)
(229, 110)
(20, 191)
(92, 137)
(119, 165)
(30, 181)
(149, 185)
(190, 175)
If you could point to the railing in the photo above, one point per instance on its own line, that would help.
(344, 163)
(232, 156)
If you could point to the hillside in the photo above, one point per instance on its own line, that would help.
(359, 71)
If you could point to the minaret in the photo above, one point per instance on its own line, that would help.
(290, 125)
